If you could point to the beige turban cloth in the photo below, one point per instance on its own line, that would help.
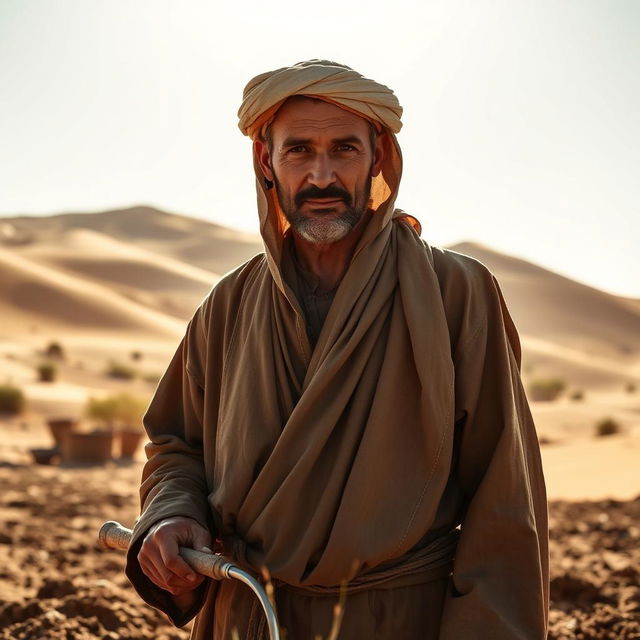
(322, 79)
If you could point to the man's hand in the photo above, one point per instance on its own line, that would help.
(159, 559)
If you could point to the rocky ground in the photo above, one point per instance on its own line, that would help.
(595, 570)
(55, 583)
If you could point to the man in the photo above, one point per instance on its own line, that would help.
(345, 408)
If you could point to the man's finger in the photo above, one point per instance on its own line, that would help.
(166, 578)
(149, 570)
(178, 566)
(201, 538)
(169, 553)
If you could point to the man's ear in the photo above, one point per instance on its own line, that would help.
(261, 151)
(379, 153)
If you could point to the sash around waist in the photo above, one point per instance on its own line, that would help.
(428, 563)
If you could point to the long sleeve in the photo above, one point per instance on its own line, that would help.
(173, 479)
(499, 586)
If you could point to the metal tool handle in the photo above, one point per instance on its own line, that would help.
(113, 535)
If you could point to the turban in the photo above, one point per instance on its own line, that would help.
(329, 81)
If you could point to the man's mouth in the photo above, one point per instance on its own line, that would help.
(323, 202)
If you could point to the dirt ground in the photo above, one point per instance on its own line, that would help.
(55, 583)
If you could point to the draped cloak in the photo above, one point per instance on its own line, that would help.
(354, 460)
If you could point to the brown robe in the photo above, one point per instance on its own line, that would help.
(372, 497)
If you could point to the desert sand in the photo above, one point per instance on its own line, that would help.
(119, 287)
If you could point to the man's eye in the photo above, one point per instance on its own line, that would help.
(299, 149)
(346, 147)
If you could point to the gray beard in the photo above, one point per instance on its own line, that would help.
(324, 231)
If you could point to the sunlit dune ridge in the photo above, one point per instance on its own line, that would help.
(142, 270)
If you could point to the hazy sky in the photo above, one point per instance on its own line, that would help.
(521, 126)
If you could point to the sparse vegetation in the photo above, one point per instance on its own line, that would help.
(546, 389)
(120, 371)
(136, 355)
(577, 395)
(607, 427)
(12, 399)
(129, 409)
(630, 387)
(47, 372)
(54, 351)
(152, 378)
(120, 409)
(102, 410)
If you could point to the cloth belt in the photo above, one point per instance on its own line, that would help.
(431, 562)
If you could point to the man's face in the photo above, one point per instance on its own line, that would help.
(321, 159)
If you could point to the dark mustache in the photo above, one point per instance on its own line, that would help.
(315, 192)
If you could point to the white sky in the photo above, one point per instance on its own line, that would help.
(521, 118)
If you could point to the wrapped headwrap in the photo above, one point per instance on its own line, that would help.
(323, 79)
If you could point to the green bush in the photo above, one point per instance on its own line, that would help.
(122, 408)
(12, 399)
(546, 389)
(54, 351)
(47, 372)
(102, 409)
(129, 409)
(607, 427)
(120, 371)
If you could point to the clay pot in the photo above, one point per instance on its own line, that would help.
(45, 456)
(129, 442)
(88, 447)
(59, 428)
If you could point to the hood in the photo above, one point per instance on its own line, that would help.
(344, 87)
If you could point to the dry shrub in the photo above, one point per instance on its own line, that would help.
(122, 408)
(54, 351)
(607, 427)
(120, 371)
(630, 387)
(577, 395)
(546, 389)
(12, 399)
(47, 372)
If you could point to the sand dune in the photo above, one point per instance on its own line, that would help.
(193, 241)
(569, 330)
(549, 306)
(140, 267)
(546, 359)
(35, 295)
(93, 254)
(155, 281)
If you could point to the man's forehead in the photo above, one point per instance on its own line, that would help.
(301, 113)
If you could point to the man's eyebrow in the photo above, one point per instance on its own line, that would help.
(348, 140)
(295, 142)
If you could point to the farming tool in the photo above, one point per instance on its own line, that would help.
(113, 535)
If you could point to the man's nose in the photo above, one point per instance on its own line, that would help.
(321, 171)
